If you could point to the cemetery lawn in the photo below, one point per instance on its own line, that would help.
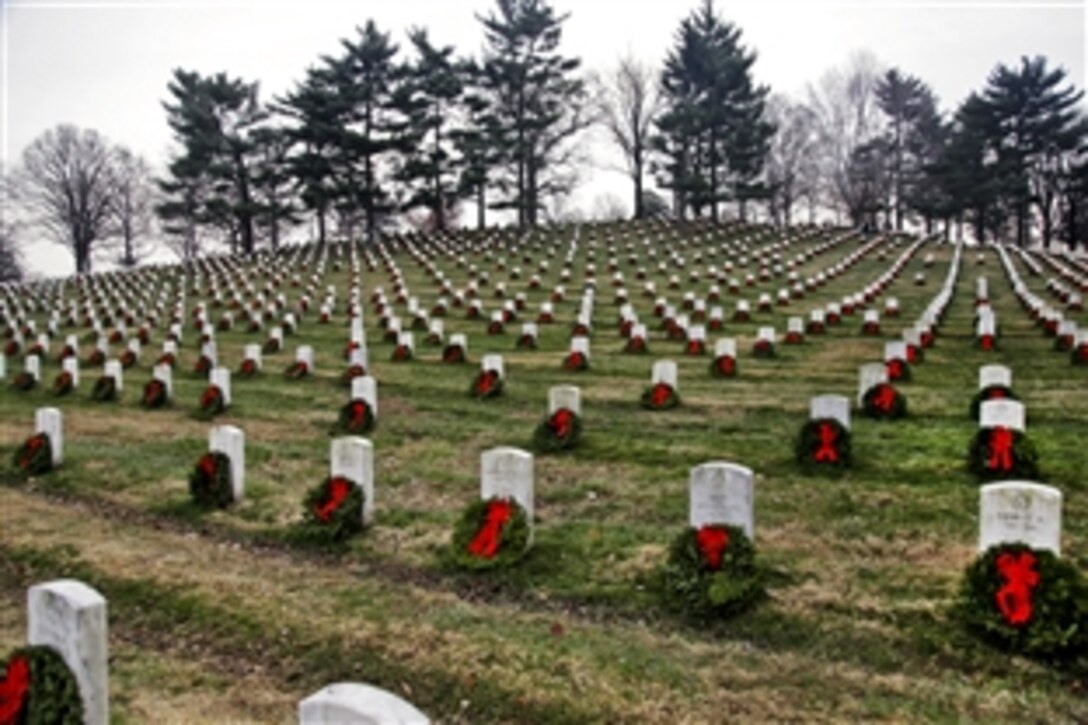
(227, 615)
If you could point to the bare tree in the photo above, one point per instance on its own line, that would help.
(789, 162)
(132, 208)
(11, 269)
(629, 104)
(66, 182)
(847, 117)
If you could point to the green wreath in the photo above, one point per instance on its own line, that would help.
(296, 370)
(271, 346)
(873, 405)
(1079, 356)
(211, 402)
(905, 373)
(154, 394)
(333, 510)
(353, 371)
(248, 368)
(210, 481)
(526, 342)
(105, 389)
(513, 539)
(63, 384)
(35, 456)
(636, 346)
(764, 349)
(43, 690)
(576, 362)
(1057, 607)
(547, 438)
(690, 585)
(723, 366)
(1023, 458)
(487, 384)
(401, 353)
(990, 392)
(24, 381)
(355, 417)
(813, 453)
(654, 397)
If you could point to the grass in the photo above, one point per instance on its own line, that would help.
(863, 566)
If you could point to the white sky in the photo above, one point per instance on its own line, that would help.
(105, 65)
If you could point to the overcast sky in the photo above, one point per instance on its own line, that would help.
(105, 65)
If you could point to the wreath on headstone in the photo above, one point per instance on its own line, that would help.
(898, 370)
(203, 365)
(35, 456)
(128, 359)
(636, 345)
(576, 362)
(210, 481)
(39, 689)
(355, 417)
(1079, 356)
(248, 368)
(211, 402)
(723, 366)
(764, 349)
(167, 358)
(401, 353)
(486, 384)
(353, 371)
(96, 358)
(884, 401)
(990, 392)
(453, 354)
(560, 431)
(526, 342)
(711, 573)
(63, 383)
(271, 346)
(333, 509)
(1002, 453)
(492, 534)
(105, 389)
(823, 443)
(660, 396)
(297, 370)
(24, 381)
(154, 394)
(1025, 600)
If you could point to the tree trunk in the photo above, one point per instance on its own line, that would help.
(481, 206)
(639, 213)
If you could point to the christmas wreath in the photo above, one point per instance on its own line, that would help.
(986, 342)
(353, 371)
(271, 346)
(349, 348)
(711, 573)
(575, 362)
(883, 401)
(823, 442)
(723, 366)
(333, 510)
(526, 342)
(167, 358)
(1025, 600)
(63, 383)
(1079, 355)
(488, 384)
(35, 456)
(210, 482)
(1002, 453)
(355, 417)
(695, 348)
(24, 381)
(763, 348)
(128, 359)
(636, 346)
(105, 389)
(96, 358)
(990, 392)
(495, 328)
(66, 353)
(154, 394)
(794, 338)
(248, 368)
(203, 365)
(12, 349)
(297, 370)
(560, 431)
(39, 689)
(211, 402)
(870, 329)
(453, 354)
(401, 353)
(660, 396)
(898, 370)
(491, 534)
(1063, 343)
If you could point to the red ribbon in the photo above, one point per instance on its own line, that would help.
(884, 400)
(13, 690)
(486, 542)
(1014, 597)
(152, 391)
(486, 382)
(987, 342)
(827, 450)
(695, 347)
(712, 541)
(995, 394)
(206, 464)
(575, 361)
(210, 397)
(357, 414)
(726, 365)
(30, 449)
(660, 395)
(561, 423)
(336, 492)
(895, 369)
(1000, 450)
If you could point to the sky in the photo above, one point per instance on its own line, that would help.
(106, 65)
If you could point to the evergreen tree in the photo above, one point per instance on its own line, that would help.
(907, 102)
(480, 142)
(273, 182)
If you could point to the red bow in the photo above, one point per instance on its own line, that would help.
(987, 342)
(884, 399)
(712, 541)
(210, 397)
(1014, 597)
(338, 490)
(995, 394)
(207, 466)
(1000, 450)
(486, 382)
(726, 365)
(30, 450)
(561, 423)
(660, 395)
(486, 542)
(575, 361)
(695, 347)
(358, 414)
(895, 369)
(826, 451)
(13, 690)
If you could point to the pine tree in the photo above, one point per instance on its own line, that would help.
(273, 183)
(907, 102)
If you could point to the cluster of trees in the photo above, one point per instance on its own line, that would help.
(370, 133)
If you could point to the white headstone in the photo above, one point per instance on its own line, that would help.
(70, 365)
(722, 493)
(766, 334)
(407, 339)
(210, 351)
(665, 371)
(113, 370)
(33, 366)
(725, 346)
(253, 352)
(220, 377)
(895, 350)
(353, 458)
(836, 407)
(994, 375)
(1002, 414)
(580, 344)
(365, 388)
(508, 473)
(350, 703)
(565, 396)
(1020, 511)
(305, 354)
(231, 441)
(492, 362)
(165, 375)
(70, 617)
(869, 376)
(51, 422)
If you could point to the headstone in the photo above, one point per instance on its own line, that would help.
(253, 352)
(1002, 414)
(766, 334)
(508, 473)
(113, 370)
(895, 350)
(565, 396)
(1020, 511)
(231, 441)
(165, 375)
(70, 617)
(492, 362)
(350, 703)
(994, 375)
(220, 377)
(51, 422)
(305, 354)
(665, 371)
(365, 388)
(33, 366)
(725, 347)
(353, 458)
(580, 344)
(722, 493)
(70, 365)
(835, 407)
(870, 375)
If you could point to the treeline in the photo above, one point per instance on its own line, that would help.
(377, 132)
